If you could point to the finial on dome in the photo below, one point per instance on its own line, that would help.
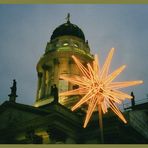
(68, 18)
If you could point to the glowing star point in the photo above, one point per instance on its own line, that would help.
(97, 87)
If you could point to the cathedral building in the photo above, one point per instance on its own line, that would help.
(50, 119)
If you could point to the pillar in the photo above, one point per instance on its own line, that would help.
(43, 85)
(56, 71)
(38, 95)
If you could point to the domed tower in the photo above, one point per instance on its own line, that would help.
(67, 40)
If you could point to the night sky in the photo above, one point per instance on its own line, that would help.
(26, 29)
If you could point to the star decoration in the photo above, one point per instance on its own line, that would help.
(97, 87)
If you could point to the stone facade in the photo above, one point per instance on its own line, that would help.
(55, 124)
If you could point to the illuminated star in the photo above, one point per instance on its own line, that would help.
(97, 87)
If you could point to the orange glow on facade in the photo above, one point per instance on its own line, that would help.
(97, 87)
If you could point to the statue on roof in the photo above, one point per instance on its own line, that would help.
(133, 99)
(55, 93)
(12, 96)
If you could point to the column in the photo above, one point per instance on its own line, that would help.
(56, 71)
(43, 86)
(71, 68)
(48, 81)
(38, 95)
(45, 137)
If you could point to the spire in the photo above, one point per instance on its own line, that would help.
(68, 18)
(12, 96)
(133, 99)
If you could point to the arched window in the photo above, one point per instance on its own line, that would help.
(65, 44)
(76, 45)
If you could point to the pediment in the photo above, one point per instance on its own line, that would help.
(11, 115)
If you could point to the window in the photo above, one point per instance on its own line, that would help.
(65, 44)
(63, 85)
(75, 86)
(75, 45)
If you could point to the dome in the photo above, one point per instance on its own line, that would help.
(68, 29)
